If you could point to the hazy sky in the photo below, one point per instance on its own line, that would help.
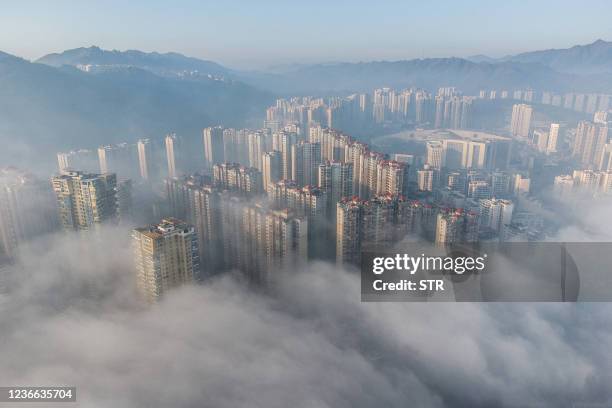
(267, 32)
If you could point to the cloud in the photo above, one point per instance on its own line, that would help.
(70, 318)
(589, 222)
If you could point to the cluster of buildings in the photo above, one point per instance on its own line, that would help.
(544, 139)
(591, 150)
(447, 109)
(263, 201)
(266, 200)
(324, 195)
(579, 102)
(27, 210)
(290, 154)
(73, 200)
(145, 160)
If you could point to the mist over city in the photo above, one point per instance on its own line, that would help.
(192, 197)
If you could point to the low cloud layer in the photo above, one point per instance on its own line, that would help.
(70, 318)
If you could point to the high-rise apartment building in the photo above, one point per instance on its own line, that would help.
(310, 202)
(426, 178)
(454, 112)
(178, 194)
(336, 179)
(348, 231)
(83, 159)
(305, 159)
(233, 176)
(28, 209)
(435, 154)
(200, 204)
(146, 161)
(120, 159)
(479, 189)
(423, 106)
(520, 184)
(520, 125)
(271, 242)
(383, 220)
(172, 156)
(500, 184)
(256, 148)
(165, 257)
(605, 162)
(540, 140)
(601, 117)
(390, 177)
(553, 138)
(86, 200)
(589, 143)
(284, 142)
(213, 146)
(591, 181)
(456, 225)
(272, 168)
(495, 214)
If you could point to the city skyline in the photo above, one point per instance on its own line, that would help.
(464, 187)
(344, 33)
(227, 216)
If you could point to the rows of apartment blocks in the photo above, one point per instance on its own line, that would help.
(579, 102)
(336, 181)
(256, 237)
(545, 139)
(230, 231)
(448, 109)
(268, 157)
(298, 222)
(142, 160)
(226, 232)
(76, 201)
(592, 151)
(299, 219)
(285, 154)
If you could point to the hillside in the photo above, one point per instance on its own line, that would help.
(594, 58)
(168, 63)
(44, 109)
(426, 73)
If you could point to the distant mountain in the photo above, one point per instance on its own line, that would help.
(581, 68)
(582, 59)
(44, 109)
(594, 58)
(426, 73)
(481, 58)
(51, 105)
(168, 63)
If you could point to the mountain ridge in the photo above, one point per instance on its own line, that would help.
(537, 69)
(154, 61)
(592, 58)
(45, 109)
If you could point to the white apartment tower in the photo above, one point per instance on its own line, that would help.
(165, 256)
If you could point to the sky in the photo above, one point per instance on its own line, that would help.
(275, 32)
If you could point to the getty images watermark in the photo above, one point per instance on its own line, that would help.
(488, 272)
(412, 265)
